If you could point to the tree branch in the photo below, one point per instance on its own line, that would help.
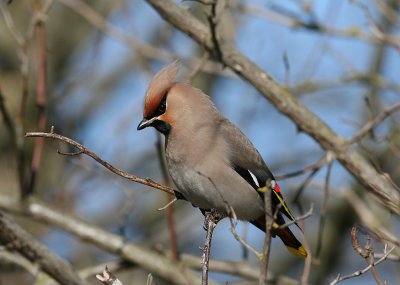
(285, 102)
(41, 101)
(210, 221)
(158, 264)
(15, 238)
(373, 123)
(360, 272)
(84, 150)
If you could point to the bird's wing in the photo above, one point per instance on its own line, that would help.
(248, 163)
(257, 178)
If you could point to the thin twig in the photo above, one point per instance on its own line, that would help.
(23, 69)
(292, 21)
(356, 244)
(144, 49)
(7, 120)
(236, 268)
(299, 218)
(84, 150)
(17, 259)
(314, 166)
(367, 252)
(369, 79)
(300, 190)
(323, 210)
(10, 24)
(41, 86)
(373, 123)
(360, 272)
(368, 219)
(211, 221)
(98, 21)
(375, 29)
(233, 221)
(308, 261)
(212, 21)
(268, 233)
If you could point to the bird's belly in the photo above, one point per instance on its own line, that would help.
(208, 192)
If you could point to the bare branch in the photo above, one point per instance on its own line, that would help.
(145, 258)
(323, 210)
(369, 219)
(175, 272)
(212, 21)
(291, 21)
(285, 102)
(264, 264)
(15, 258)
(82, 149)
(211, 220)
(299, 218)
(360, 272)
(41, 87)
(15, 238)
(311, 167)
(144, 49)
(235, 268)
(373, 123)
(7, 120)
(19, 38)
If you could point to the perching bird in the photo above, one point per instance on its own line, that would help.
(212, 163)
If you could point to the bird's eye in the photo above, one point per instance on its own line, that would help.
(163, 105)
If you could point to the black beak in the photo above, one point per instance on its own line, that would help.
(145, 123)
(161, 126)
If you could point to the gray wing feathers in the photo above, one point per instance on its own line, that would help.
(242, 153)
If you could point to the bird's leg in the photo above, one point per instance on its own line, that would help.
(211, 220)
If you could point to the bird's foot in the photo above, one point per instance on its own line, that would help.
(213, 216)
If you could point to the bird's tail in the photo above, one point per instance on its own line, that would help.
(285, 234)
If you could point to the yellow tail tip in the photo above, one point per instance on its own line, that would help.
(298, 251)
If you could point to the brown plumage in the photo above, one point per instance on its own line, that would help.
(212, 163)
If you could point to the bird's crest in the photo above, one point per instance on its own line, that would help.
(159, 86)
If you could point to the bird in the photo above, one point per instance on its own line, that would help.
(211, 162)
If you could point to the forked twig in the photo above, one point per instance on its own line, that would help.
(373, 123)
(367, 253)
(84, 150)
(362, 271)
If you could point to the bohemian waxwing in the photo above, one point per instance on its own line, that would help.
(211, 162)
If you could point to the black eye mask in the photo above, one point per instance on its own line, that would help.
(161, 108)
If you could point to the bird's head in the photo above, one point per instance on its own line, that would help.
(155, 112)
(175, 106)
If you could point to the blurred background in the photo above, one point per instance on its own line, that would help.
(100, 57)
